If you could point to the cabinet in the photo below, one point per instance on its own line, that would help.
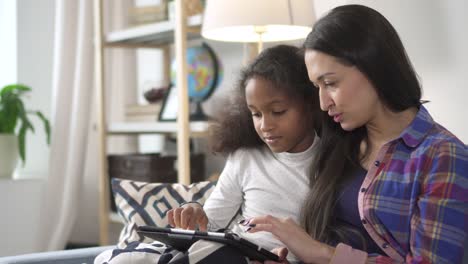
(157, 35)
(17, 226)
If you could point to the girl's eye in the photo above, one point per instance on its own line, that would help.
(255, 114)
(279, 112)
(329, 83)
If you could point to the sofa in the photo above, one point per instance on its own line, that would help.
(138, 203)
(72, 256)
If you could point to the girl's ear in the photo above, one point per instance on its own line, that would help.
(315, 114)
(319, 116)
(311, 112)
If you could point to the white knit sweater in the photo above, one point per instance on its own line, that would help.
(260, 182)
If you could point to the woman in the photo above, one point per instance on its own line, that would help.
(389, 183)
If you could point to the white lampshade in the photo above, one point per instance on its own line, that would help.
(257, 20)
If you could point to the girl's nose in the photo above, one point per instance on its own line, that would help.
(266, 124)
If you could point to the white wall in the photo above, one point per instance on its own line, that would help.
(7, 42)
(35, 49)
(26, 29)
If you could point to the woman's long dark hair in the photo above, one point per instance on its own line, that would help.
(284, 67)
(358, 36)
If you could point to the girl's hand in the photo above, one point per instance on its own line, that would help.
(188, 217)
(294, 237)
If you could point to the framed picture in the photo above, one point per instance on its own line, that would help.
(169, 106)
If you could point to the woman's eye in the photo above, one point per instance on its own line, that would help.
(255, 114)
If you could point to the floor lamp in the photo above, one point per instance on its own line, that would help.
(257, 21)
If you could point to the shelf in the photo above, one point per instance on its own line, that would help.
(154, 34)
(115, 218)
(197, 128)
(142, 120)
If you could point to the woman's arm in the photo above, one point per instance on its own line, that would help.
(439, 228)
(294, 237)
(306, 248)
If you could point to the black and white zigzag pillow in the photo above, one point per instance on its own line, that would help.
(143, 203)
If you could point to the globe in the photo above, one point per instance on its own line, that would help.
(204, 75)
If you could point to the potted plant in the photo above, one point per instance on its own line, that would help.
(13, 140)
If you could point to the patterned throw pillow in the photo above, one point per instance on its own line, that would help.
(143, 203)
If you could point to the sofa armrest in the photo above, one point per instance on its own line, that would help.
(72, 256)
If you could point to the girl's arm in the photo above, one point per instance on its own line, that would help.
(226, 199)
(222, 205)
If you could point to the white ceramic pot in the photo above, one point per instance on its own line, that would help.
(9, 155)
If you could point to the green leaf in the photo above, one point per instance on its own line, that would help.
(22, 142)
(9, 114)
(12, 88)
(25, 125)
(46, 125)
(22, 115)
(9, 106)
(13, 112)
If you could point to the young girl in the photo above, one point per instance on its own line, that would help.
(269, 134)
(389, 183)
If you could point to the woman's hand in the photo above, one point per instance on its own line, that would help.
(188, 216)
(294, 237)
(282, 254)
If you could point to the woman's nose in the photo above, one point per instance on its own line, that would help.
(325, 100)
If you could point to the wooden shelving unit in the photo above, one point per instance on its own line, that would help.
(199, 128)
(156, 35)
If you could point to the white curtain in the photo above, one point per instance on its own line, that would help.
(71, 199)
(71, 112)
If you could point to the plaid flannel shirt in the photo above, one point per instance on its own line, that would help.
(414, 200)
